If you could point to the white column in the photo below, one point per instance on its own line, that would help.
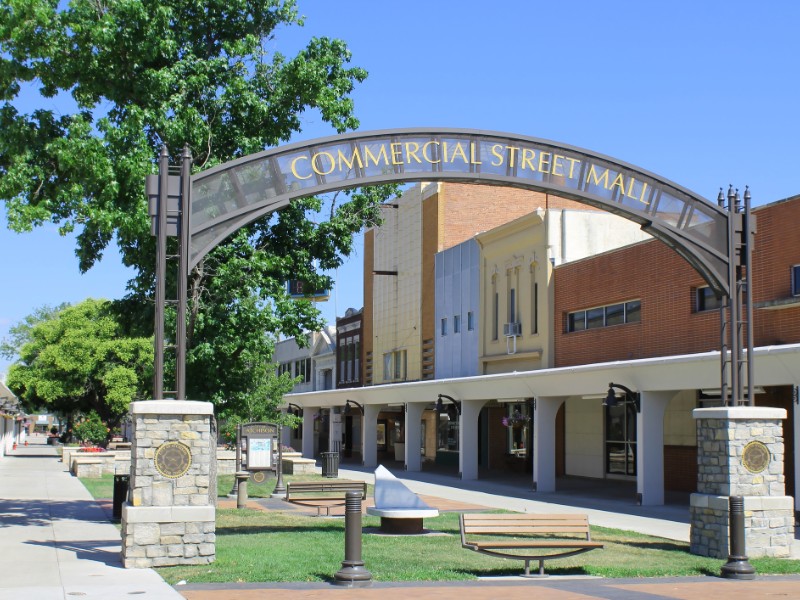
(796, 416)
(308, 431)
(413, 439)
(369, 431)
(544, 443)
(468, 438)
(335, 429)
(650, 447)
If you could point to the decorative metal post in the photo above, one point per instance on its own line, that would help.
(241, 495)
(353, 573)
(280, 489)
(235, 489)
(737, 566)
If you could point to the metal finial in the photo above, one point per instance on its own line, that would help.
(747, 193)
(186, 152)
(164, 152)
(731, 193)
(721, 198)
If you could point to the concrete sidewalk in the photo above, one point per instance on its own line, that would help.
(56, 542)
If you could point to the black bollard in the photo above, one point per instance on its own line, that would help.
(737, 566)
(352, 573)
(241, 495)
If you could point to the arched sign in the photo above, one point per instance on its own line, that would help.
(227, 197)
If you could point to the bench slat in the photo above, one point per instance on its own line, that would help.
(538, 544)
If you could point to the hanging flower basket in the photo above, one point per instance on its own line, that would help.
(516, 420)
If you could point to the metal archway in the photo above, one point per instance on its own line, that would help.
(209, 206)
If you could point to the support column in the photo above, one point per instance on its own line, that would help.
(468, 438)
(544, 440)
(335, 430)
(170, 518)
(650, 447)
(740, 452)
(370, 435)
(308, 431)
(796, 420)
(413, 439)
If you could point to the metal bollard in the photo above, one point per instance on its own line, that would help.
(241, 496)
(352, 573)
(737, 566)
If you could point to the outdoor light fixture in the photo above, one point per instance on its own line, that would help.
(630, 396)
(440, 404)
(298, 410)
(354, 403)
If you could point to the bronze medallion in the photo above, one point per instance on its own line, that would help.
(173, 459)
(755, 457)
(259, 476)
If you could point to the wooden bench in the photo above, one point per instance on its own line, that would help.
(323, 494)
(527, 536)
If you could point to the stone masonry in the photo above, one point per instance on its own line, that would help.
(169, 520)
(722, 435)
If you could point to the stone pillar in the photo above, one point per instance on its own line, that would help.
(544, 443)
(740, 452)
(169, 518)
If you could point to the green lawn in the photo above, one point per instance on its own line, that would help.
(259, 546)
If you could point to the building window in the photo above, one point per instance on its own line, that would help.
(706, 299)
(302, 368)
(470, 321)
(394, 366)
(444, 327)
(512, 305)
(796, 280)
(456, 323)
(605, 316)
(285, 367)
(620, 434)
(535, 308)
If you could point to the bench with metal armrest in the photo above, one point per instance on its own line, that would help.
(323, 495)
(527, 536)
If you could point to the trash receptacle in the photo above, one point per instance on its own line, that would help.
(330, 464)
(120, 494)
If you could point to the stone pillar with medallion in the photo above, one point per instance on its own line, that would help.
(169, 517)
(740, 452)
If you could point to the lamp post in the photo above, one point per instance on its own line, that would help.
(280, 489)
(440, 404)
(630, 396)
(347, 405)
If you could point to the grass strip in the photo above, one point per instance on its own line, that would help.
(272, 546)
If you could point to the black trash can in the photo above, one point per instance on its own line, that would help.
(120, 494)
(330, 464)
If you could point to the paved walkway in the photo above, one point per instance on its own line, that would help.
(56, 543)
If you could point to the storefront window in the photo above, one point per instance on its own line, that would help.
(621, 439)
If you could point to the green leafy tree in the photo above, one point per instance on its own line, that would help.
(146, 73)
(79, 359)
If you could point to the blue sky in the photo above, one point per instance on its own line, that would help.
(701, 93)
